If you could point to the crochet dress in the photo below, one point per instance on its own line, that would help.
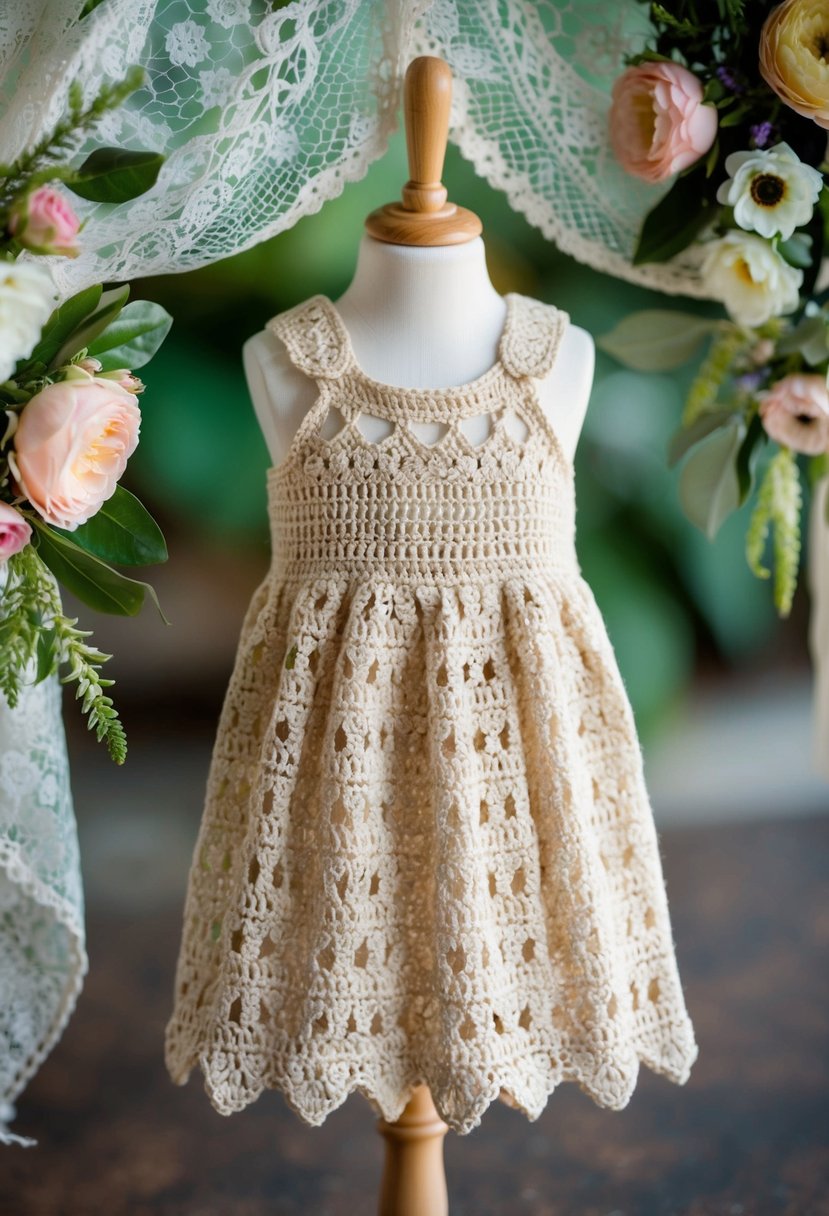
(427, 853)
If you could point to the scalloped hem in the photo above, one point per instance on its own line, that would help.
(463, 1100)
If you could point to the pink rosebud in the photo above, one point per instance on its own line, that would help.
(15, 533)
(44, 222)
(658, 123)
(89, 365)
(71, 447)
(125, 378)
(795, 412)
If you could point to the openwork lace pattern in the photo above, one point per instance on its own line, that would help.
(427, 852)
(42, 942)
(265, 113)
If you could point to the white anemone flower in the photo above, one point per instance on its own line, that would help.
(771, 192)
(750, 278)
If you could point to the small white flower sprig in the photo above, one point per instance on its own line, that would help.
(69, 419)
(732, 102)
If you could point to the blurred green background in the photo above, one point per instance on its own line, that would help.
(676, 605)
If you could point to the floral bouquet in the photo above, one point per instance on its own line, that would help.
(732, 99)
(69, 418)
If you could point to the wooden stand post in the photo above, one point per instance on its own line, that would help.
(414, 1182)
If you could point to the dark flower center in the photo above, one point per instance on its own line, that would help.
(767, 189)
(804, 419)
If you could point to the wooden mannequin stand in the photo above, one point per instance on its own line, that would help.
(414, 1182)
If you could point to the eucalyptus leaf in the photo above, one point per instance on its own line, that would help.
(121, 531)
(709, 485)
(115, 175)
(755, 437)
(90, 579)
(810, 338)
(797, 250)
(109, 305)
(657, 340)
(688, 436)
(133, 337)
(63, 322)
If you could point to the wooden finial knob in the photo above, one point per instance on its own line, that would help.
(425, 217)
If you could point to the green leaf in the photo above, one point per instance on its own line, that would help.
(133, 337)
(47, 657)
(122, 531)
(810, 338)
(656, 340)
(63, 322)
(797, 250)
(115, 175)
(90, 579)
(675, 222)
(109, 305)
(755, 436)
(709, 485)
(688, 436)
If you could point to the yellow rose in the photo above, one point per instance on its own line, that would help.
(794, 56)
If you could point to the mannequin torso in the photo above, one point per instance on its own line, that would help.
(418, 317)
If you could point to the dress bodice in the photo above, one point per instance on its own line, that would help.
(405, 509)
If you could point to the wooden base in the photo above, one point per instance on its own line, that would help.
(397, 225)
(414, 1182)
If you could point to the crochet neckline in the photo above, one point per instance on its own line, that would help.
(452, 391)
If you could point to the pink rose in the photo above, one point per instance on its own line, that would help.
(71, 446)
(44, 222)
(14, 532)
(795, 412)
(658, 124)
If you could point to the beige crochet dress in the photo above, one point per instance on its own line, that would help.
(427, 852)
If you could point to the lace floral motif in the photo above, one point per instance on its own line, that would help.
(427, 852)
(42, 944)
(287, 106)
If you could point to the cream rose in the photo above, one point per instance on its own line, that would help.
(27, 296)
(72, 445)
(658, 123)
(15, 533)
(795, 412)
(750, 278)
(794, 56)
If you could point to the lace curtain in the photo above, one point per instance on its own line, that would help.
(264, 115)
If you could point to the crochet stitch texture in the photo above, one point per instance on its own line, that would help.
(427, 853)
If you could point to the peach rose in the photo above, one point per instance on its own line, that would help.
(793, 56)
(795, 412)
(15, 533)
(658, 123)
(45, 223)
(71, 447)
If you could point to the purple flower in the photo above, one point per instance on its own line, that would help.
(761, 134)
(729, 79)
(749, 382)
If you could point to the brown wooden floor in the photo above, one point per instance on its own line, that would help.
(747, 1136)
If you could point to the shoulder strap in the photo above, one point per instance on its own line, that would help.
(532, 337)
(316, 343)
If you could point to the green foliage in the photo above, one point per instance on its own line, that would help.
(714, 371)
(132, 337)
(121, 531)
(779, 501)
(656, 339)
(40, 163)
(90, 579)
(115, 175)
(709, 485)
(34, 630)
(676, 221)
